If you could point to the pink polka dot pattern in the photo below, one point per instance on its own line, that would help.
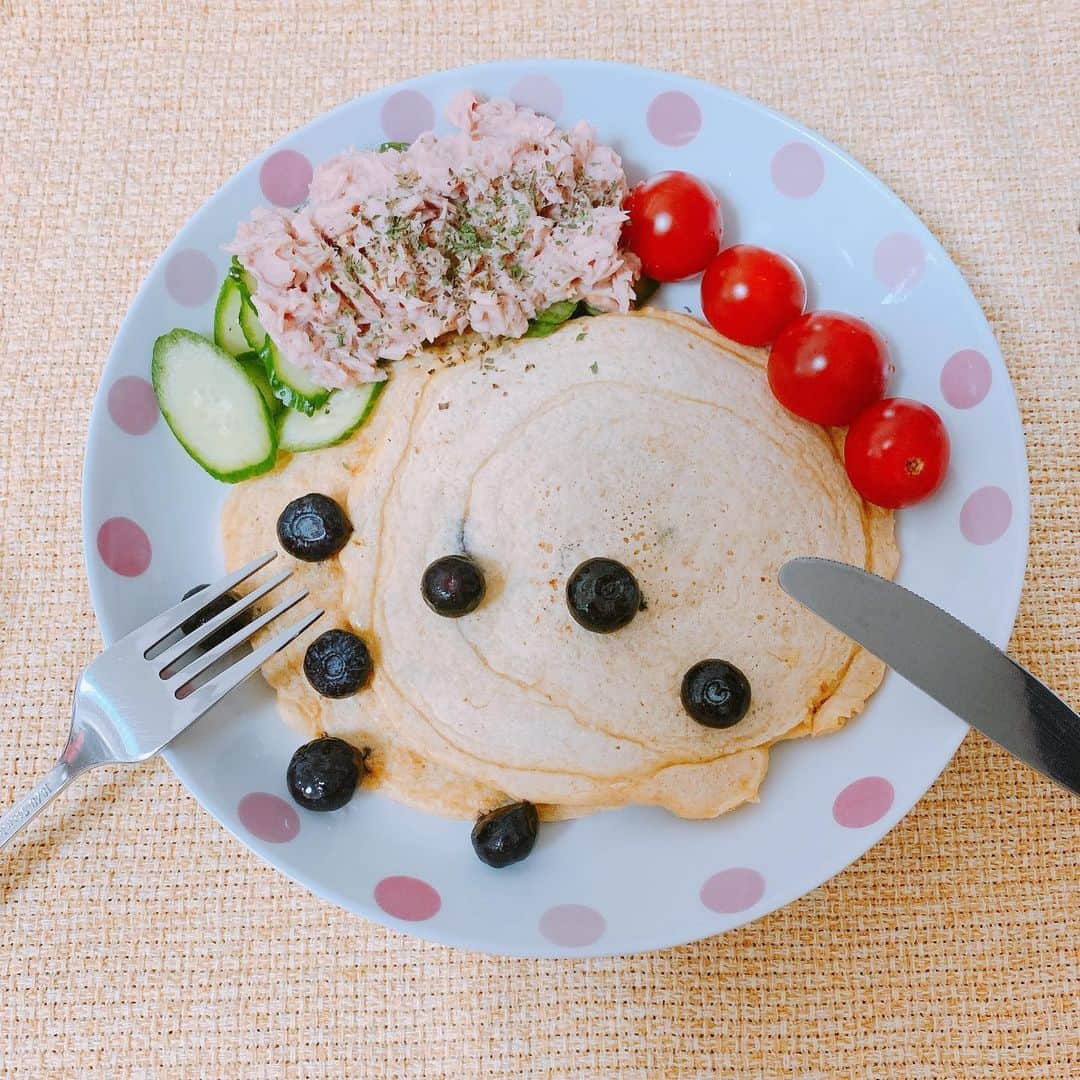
(673, 118)
(863, 802)
(797, 170)
(123, 546)
(285, 177)
(572, 925)
(735, 889)
(132, 405)
(539, 93)
(965, 379)
(407, 898)
(406, 114)
(899, 261)
(190, 277)
(985, 515)
(268, 817)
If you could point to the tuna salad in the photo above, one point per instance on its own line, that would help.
(476, 231)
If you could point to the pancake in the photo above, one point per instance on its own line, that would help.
(645, 438)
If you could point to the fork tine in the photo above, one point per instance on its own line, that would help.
(161, 626)
(185, 644)
(211, 656)
(212, 692)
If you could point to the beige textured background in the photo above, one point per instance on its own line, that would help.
(137, 939)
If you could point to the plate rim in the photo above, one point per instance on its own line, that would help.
(1011, 589)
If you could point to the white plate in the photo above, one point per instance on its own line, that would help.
(638, 878)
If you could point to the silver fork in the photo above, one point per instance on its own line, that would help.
(129, 705)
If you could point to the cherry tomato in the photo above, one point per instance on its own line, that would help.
(750, 294)
(896, 452)
(827, 367)
(674, 225)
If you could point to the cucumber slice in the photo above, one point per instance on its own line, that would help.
(330, 424)
(550, 319)
(256, 372)
(215, 411)
(244, 277)
(250, 327)
(228, 333)
(292, 385)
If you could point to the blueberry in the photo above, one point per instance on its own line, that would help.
(337, 663)
(323, 774)
(506, 835)
(715, 693)
(453, 586)
(603, 595)
(313, 527)
(215, 607)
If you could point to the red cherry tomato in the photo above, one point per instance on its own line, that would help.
(896, 452)
(674, 225)
(750, 294)
(827, 367)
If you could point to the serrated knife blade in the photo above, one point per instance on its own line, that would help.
(946, 659)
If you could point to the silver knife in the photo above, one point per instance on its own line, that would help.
(947, 660)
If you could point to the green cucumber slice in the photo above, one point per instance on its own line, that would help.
(256, 372)
(550, 319)
(213, 408)
(292, 385)
(250, 327)
(228, 334)
(331, 423)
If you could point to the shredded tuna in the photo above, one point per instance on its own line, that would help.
(474, 231)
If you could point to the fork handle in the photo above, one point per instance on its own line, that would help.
(44, 791)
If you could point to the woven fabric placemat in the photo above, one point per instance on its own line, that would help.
(138, 939)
